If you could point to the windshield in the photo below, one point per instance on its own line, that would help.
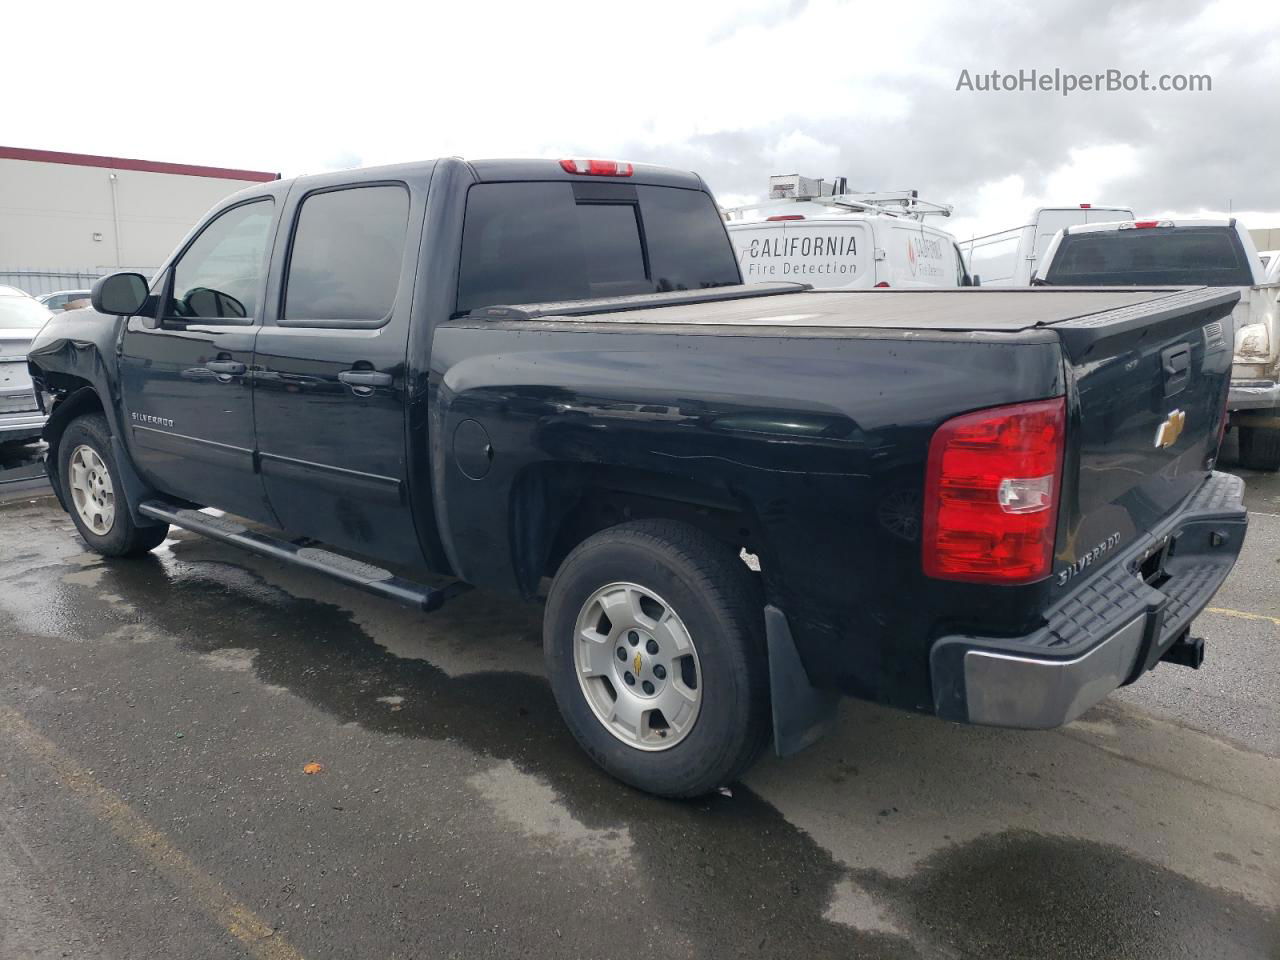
(22, 313)
(1208, 256)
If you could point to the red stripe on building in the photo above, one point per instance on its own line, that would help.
(121, 163)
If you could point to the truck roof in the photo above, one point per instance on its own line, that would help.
(500, 170)
(1164, 223)
(649, 174)
(1004, 310)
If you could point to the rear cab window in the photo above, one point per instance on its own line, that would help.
(1180, 256)
(534, 242)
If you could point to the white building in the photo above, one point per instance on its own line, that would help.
(68, 217)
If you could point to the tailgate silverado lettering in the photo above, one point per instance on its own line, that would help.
(1088, 559)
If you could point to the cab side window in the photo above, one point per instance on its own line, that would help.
(345, 262)
(219, 277)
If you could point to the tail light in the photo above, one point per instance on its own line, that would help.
(882, 285)
(991, 493)
(597, 168)
(785, 216)
(1146, 224)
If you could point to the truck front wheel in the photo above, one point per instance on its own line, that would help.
(654, 644)
(1260, 448)
(92, 491)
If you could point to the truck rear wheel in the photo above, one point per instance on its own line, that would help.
(1260, 448)
(653, 637)
(92, 492)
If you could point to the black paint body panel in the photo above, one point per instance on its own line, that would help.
(819, 440)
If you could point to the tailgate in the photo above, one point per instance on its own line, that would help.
(1147, 387)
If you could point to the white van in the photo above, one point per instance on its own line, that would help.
(1008, 258)
(846, 241)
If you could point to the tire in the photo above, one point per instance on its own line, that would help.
(1260, 448)
(688, 588)
(102, 518)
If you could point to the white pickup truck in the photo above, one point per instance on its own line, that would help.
(1213, 253)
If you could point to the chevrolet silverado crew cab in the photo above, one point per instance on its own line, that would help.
(546, 378)
(1217, 253)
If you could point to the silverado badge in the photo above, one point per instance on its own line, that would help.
(1167, 433)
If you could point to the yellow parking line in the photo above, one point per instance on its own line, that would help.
(261, 941)
(1242, 615)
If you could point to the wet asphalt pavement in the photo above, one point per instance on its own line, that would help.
(156, 716)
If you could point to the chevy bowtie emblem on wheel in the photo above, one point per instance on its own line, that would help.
(1167, 433)
(636, 664)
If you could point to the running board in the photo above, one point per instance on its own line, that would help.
(355, 573)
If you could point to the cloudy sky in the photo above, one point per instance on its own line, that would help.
(734, 90)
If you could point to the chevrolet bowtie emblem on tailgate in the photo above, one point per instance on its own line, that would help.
(1167, 433)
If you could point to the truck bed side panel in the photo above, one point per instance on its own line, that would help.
(819, 440)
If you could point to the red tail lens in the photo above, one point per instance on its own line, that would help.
(1086, 206)
(597, 168)
(1145, 224)
(785, 216)
(991, 493)
(882, 285)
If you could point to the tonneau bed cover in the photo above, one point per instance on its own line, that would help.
(791, 305)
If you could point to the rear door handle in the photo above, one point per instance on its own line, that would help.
(365, 378)
(233, 367)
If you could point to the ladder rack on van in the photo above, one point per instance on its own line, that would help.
(894, 203)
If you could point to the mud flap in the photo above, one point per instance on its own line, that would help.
(802, 713)
(135, 490)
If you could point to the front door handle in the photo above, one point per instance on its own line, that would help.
(226, 367)
(365, 378)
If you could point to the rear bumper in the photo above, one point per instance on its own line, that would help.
(1253, 395)
(1108, 633)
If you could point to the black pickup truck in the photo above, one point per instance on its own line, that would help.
(740, 502)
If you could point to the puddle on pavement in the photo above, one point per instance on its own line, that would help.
(1020, 894)
(731, 874)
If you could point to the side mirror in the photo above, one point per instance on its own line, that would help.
(119, 294)
(976, 280)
